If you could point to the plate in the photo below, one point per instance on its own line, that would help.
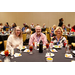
(26, 50)
(17, 55)
(22, 48)
(68, 56)
(57, 46)
(2, 53)
(53, 50)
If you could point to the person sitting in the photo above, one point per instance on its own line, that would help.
(59, 39)
(38, 36)
(13, 26)
(6, 26)
(1, 26)
(28, 31)
(73, 29)
(23, 27)
(64, 28)
(44, 25)
(68, 26)
(52, 31)
(32, 25)
(15, 39)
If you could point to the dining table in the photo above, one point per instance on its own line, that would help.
(59, 56)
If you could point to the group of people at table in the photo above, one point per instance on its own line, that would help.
(15, 39)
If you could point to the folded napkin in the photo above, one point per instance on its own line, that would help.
(26, 50)
(53, 50)
(17, 55)
(68, 56)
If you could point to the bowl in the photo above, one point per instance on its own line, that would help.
(49, 59)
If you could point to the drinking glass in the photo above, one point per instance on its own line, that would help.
(12, 53)
(6, 52)
(31, 48)
(47, 46)
(51, 45)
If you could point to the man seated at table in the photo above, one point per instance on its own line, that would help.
(37, 36)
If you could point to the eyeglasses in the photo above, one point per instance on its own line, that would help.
(17, 30)
(59, 31)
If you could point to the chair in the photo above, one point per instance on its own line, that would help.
(7, 29)
(24, 37)
(68, 29)
(5, 43)
(48, 36)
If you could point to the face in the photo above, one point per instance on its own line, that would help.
(38, 30)
(58, 32)
(18, 31)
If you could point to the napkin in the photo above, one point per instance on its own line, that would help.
(48, 54)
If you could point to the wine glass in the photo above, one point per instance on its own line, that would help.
(47, 46)
(6, 52)
(31, 48)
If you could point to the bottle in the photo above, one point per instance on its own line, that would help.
(41, 47)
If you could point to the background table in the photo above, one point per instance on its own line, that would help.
(71, 39)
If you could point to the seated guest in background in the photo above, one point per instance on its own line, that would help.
(37, 36)
(15, 39)
(1, 26)
(68, 26)
(73, 29)
(28, 31)
(13, 26)
(52, 31)
(59, 39)
(44, 25)
(32, 26)
(23, 27)
(6, 26)
(64, 28)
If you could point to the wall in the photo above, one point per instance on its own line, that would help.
(49, 18)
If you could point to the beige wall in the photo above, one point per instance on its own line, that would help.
(49, 18)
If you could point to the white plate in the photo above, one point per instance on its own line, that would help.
(53, 50)
(57, 46)
(27, 50)
(68, 56)
(17, 55)
(22, 48)
(2, 53)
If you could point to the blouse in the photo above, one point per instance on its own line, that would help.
(61, 41)
(14, 42)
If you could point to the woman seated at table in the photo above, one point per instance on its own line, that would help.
(59, 39)
(15, 39)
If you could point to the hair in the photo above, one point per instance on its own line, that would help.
(14, 32)
(37, 26)
(54, 25)
(57, 29)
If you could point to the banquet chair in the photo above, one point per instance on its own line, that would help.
(24, 37)
(48, 36)
(68, 30)
(7, 29)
